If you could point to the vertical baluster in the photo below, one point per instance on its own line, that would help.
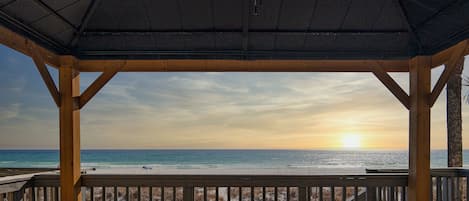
(321, 198)
(438, 189)
(332, 193)
(150, 193)
(379, 189)
(383, 193)
(445, 188)
(10, 196)
(240, 192)
(44, 193)
(56, 192)
(263, 193)
(344, 193)
(288, 193)
(2, 196)
(452, 189)
(275, 194)
(371, 193)
(139, 198)
(115, 193)
(355, 191)
(467, 188)
(392, 192)
(302, 191)
(205, 193)
(449, 182)
(103, 193)
(33, 193)
(432, 183)
(127, 193)
(174, 193)
(91, 194)
(162, 194)
(188, 193)
(228, 192)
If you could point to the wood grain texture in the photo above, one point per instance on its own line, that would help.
(214, 65)
(392, 86)
(21, 44)
(97, 85)
(453, 62)
(69, 134)
(419, 129)
(44, 72)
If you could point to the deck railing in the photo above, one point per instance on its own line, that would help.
(448, 185)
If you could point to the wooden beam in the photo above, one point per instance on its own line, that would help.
(21, 44)
(442, 57)
(69, 80)
(97, 85)
(42, 68)
(419, 130)
(392, 85)
(451, 65)
(214, 65)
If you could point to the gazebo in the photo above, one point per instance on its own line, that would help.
(378, 36)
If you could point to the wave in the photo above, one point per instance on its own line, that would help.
(141, 165)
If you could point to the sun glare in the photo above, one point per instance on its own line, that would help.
(351, 141)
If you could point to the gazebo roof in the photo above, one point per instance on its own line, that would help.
(239, 29)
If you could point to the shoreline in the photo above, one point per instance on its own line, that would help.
(227, 171)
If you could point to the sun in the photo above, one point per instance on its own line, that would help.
(351, 141)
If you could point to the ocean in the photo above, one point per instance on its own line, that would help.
(233, 159)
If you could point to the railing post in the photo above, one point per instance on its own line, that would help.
(188, 193)
(10, 196)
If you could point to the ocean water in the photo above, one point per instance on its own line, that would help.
(197, 159)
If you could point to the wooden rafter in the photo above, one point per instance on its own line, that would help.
(451, 65)
(21, 44)
(46, 77)
(442, 57)
(97, 85)
(392, 85)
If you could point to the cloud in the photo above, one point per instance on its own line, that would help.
(224, 110)
(10, 111)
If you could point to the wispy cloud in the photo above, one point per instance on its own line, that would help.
(216, 110)
(9, 112)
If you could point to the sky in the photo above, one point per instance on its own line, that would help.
(216, 111)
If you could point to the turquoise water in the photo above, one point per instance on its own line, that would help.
(221, 158)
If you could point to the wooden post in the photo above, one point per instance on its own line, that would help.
(69, 81)
(419, 132)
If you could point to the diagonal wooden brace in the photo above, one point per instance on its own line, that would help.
(97, 85)
(455, 61)
(42, 68)
(392, 85)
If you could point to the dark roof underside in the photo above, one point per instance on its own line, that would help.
(240, 29)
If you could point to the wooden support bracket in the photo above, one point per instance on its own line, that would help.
(453, 62)
(392, 85)
(97, 85)
(42, 68)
